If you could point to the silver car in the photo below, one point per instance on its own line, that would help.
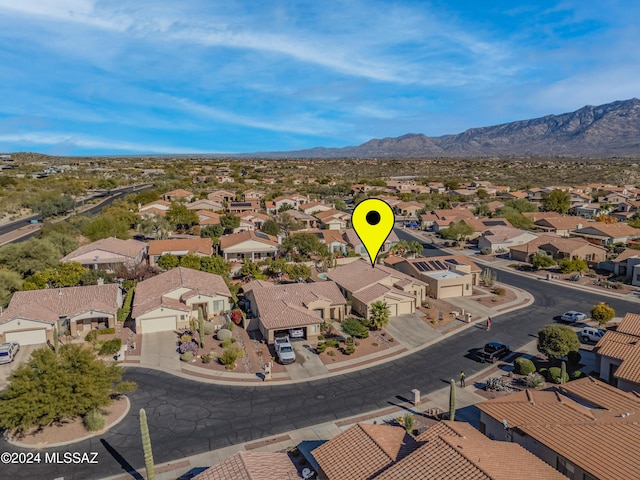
(8, 352)
(573, 316)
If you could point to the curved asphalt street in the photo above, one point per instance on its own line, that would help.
(186, 417)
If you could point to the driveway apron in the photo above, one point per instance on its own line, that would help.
(159, 350)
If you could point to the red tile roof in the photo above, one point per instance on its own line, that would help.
(203, 246)
(126, 248)
(237, 238)
(252, 466)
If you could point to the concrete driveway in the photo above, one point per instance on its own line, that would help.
(410, 330)
(308, 363)
(22, 356)
(159, 350)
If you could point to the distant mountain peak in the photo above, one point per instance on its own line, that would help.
(611, 129)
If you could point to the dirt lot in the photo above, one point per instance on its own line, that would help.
(375, 342)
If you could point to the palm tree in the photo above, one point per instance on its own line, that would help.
(415, 248)
(379, 317)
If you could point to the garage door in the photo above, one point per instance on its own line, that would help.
(393, 309)
(405, 307)
(161, 324)
(29, 337)
(451, 291)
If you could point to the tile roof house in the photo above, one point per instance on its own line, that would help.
(248, 245)
(334, 219)
(333, 239)
(252, 194)
(159, 207)
(313, 207)
(178, 195)
(109, 253)
(559, 248)
(354, 242)
(363, 451)
(179, 247)
(206, 218)
(305, 219)
(586, 210)
(168, 301)
(31, 315)
(586, 429)
(252, 466)
(277, 308)
(561, 226)
(445, 277)
(257, 219)
(222, 196)
(364, 285)
(628, 264)
(618, 354)
(205, 204)
(445, 451)
(500, 239)
(246, 206)
(607, 234)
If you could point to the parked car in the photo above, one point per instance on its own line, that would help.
(296, 332)
(8, 352)
(284, 350)
(591, 334)
(572, 316)
(493, 351)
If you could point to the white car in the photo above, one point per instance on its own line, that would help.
(8, 352)
(573, 316)
(296, 332)
(591, 334)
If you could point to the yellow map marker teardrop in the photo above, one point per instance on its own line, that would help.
(373, 220)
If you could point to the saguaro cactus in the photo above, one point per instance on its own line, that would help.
(452, 400)
(563, 371)
(56, 341)
(146, 445)
(201, 331)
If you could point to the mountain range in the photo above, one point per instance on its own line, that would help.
(607, 130)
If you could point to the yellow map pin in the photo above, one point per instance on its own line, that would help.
(373, 221)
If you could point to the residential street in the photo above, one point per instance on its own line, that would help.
(187, 417)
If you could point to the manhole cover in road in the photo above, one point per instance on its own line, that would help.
(320, 397)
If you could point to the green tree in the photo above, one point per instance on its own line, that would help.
(602, 313)
(91, 276)
(556, 201)
(522, 205)
(66, 274)
(287, 223)
(190, 261)
(63, 242)
(250, 269)
(180, 217)
(301, 245)
(568, 265)
(542, 259)
(379, 316)
(212, 231)
(29, 257)
(9, 282)
(556, 341)
(515, 218)
(457, 231)
(155, 226)
(168, 261)
(49, 389)
(229, 222)
(214, 264)
(275, 268)
(298, 271)
(270, 227)
(482, 210)
(104, 226)
(340, 205)
(146, 446)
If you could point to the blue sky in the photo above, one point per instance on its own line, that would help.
(84, 77)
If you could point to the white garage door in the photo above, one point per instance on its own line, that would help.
(451, 291)
(161, 324)
(29, 337)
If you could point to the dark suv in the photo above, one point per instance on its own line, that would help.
(493, 351)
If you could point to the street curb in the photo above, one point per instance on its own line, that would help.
(71, 442)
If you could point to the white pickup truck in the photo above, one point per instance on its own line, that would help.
(284, 350)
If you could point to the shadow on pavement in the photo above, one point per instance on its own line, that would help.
(121, 460)
(192, 473)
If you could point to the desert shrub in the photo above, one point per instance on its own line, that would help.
(223, 334)
(523, 366)
(229, 325)
(230, 356)
(92, 336)
(578, 374)
(485, 251)
(110, 347)
(321, 347)
(355, 328)
(93, 420)
(553, 375)
(332, 342)
(574, 358)
(205, 358)
(617, 285)
(185, 338)
(106, 331)
(188, 347)
(186, 356)
(501, 292)
(533, 380)
(544, 372)
(331, 353)
(228, 342)
(497, 384)
(320, 337)
(208, 328)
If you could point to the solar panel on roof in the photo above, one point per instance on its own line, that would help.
(264, 236)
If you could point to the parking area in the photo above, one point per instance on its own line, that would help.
(22, 356)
